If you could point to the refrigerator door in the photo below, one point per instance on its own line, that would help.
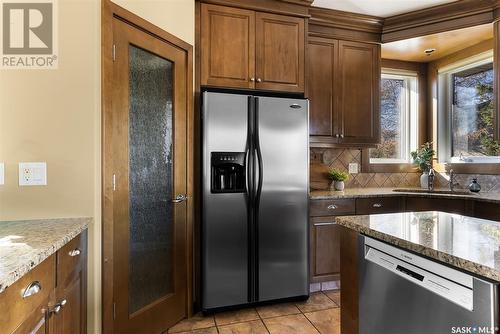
(224, 215)
(282, 142)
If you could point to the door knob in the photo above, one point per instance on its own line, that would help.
(179, 198)
(342, 136)
(259, 80)
(252, 79)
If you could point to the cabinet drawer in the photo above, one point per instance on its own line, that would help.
(366, 206)
(328, 207)
(435, 204)
(71, 257)
(16, 308)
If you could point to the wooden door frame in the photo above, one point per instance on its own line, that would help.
(109, 11)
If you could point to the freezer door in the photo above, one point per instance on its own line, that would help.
(224, 215)
(282, 141)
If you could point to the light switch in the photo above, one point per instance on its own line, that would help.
(32, 174)
(353, 168)
(2, 173)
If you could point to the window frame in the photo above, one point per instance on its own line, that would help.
(445, 111)
(410, 122)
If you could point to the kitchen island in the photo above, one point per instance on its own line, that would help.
(387, 257)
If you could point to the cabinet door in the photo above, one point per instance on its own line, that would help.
(418, 204)
(321, 76)
(325, 248)
(35, 323)
(72, 317)
(69, 312)
(227, 47)
(280, 44)
(359, 81)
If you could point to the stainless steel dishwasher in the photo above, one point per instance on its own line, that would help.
(402, 293)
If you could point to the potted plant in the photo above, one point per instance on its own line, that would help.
(338, 177)
(423, 159)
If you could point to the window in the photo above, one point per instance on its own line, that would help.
(468, 130)
(399, 117)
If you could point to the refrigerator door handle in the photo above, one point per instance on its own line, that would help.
(258, 156)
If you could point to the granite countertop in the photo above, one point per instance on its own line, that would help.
(471, 244)
(388, 192)
(26, 243)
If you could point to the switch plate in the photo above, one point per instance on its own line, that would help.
(32, 174)
(353, 168)
(2, 173)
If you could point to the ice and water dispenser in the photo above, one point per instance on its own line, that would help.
(228, 172)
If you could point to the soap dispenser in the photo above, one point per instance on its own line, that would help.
(474, 186)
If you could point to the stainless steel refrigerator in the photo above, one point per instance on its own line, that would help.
(255, 199)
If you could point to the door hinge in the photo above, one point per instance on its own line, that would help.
(114, 310)
(114, 182)
(114, 52)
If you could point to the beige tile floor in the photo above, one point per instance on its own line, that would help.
(319, 314)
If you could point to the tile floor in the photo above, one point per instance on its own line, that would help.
(319, 314)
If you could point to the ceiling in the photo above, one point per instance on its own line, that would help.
(381, 8)
(445, 44)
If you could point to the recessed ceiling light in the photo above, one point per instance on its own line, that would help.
(429, 51)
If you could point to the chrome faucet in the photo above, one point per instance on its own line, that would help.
(430, 180)
(453, 184)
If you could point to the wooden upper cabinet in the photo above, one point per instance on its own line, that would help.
(343, 87)
(280, 44)
(359, 102)
(322, 58)
(248, 49)
(227, 46)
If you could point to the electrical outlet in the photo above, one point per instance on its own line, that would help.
(353, 168)
(32, 174)
(2, 173)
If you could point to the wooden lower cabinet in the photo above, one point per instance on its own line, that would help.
(435, 204)
(71, 291)
(55, 306)
(324, 248)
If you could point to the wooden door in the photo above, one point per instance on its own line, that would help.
(325, 249)
(359, 81)
(227, 47)
(149, 158)
(321, 88)
(279, 52)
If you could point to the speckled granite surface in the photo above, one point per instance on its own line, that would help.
(387, 192)
(26, 243)
(467, 243)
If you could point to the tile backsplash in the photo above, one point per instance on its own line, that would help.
(324, 158)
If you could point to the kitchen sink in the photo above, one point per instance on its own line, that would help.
(435, 191)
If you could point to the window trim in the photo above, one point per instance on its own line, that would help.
(421, 69)
(409, 126)
(445, 109)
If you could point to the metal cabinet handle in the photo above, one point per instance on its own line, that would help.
(342, 135)
(179, 198)
(58, 307)
(332, 207)
(325, 224)
(252, 79)
(337, 135)
(32, 289)
(259, 80)
(74, 252)
(377, 205)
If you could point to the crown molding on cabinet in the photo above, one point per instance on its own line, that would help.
(299, 8)
(450, 16)
(345, 25)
